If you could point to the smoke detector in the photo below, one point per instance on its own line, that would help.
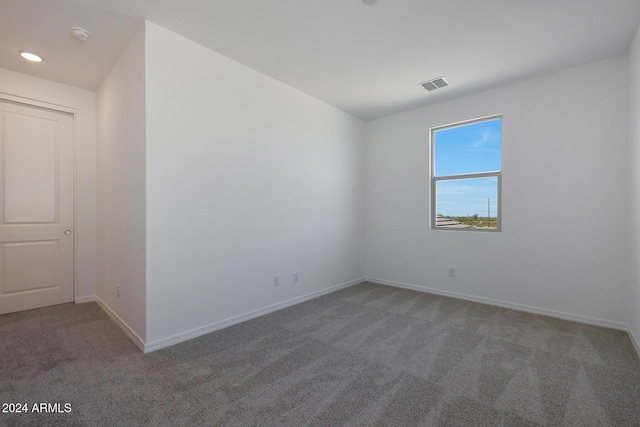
(80, 33)
(434, 84)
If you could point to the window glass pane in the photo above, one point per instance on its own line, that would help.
(467, 203)
(467, 149)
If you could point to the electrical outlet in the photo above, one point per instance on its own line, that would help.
(276, 280)
(452, 272)
(295, 276)
(118, 291)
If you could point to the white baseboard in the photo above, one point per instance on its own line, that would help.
(82, 300)
(521, 307)
(122, 324)
(185, 336)
(634, 340)
(194, 333)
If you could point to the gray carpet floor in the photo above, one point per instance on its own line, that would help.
(368, 355)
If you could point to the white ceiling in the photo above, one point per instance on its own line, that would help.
(43, 27)
(366, 60)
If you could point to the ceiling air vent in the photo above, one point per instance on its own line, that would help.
(434, 84)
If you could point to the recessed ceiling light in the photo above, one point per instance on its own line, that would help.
(30, 56)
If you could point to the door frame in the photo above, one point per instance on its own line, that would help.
(67, 110)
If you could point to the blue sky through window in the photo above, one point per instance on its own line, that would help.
(467, 149)
(467, 197)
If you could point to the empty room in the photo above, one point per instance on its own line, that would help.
(320, 213)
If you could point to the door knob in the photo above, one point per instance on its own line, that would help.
(67, 232)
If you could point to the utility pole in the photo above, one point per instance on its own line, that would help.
(489, 211)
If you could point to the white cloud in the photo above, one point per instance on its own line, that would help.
(484, 138)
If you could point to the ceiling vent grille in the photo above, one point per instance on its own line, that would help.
(434, 84)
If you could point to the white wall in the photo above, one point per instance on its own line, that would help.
(246, 178)
(562, 248)
(634, 194)
(121, 190)
(84, 103)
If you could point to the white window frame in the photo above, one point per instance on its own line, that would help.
(435, 180)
